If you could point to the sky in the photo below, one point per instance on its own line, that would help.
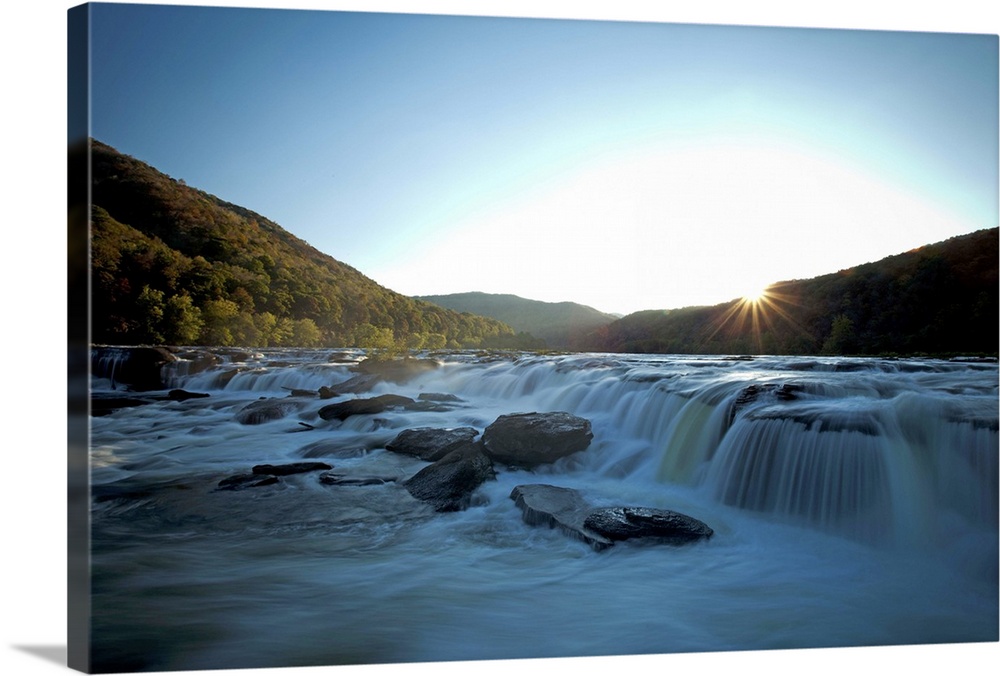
(624, 165)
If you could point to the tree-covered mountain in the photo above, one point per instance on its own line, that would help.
(560, 325)
(938, 299)
(173, 264)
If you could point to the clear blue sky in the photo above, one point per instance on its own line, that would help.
(623, 165)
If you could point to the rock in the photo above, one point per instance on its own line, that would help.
(199, 361)
(332, 479)
(431, 444)
(448, 483)
(266, 410)
(293, 392)
(624, 523)
(184, 395)
(356, 385)
(103, 405)
(438, 397)
(557, 507)
(290, 468)
(242, 481)
(751, 393)
(141, 368)
(396, 370)
(345, 409)
(530, 439)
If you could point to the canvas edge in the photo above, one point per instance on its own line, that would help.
(78, 334)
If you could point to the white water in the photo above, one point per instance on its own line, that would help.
(863, 511)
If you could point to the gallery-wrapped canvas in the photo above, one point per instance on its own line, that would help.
(402, 338)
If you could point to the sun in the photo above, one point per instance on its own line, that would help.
(755, 295)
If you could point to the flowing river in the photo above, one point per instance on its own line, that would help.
(853, 502)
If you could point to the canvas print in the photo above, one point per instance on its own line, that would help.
(402, 338)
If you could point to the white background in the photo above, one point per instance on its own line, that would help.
(33, 255)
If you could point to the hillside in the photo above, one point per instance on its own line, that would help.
(939, 299)
(172, 264)
(560, 325)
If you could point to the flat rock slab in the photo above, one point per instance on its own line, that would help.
(530, 439)
(601, 527)
(557, 507)
(345, 409)
(430, 443)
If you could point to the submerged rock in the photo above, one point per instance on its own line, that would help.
(624, 523)
(448, 483)
(266, 410)
(290, 468)
(530, 439)
(428, 443)
(345, 409)
(104, 405)
(332, 479)
(184, 395)
(242, 481)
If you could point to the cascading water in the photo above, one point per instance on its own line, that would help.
(854, 502)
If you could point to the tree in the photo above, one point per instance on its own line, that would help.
(182, 320)
(842, 339)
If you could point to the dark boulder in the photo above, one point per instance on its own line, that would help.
(141, 368)
(345, 409)
(557, 507)
(266, 410)
(624, 523)
(530, 439)
(448, 483)
(242, 481)
(290, 468)
(431, 444)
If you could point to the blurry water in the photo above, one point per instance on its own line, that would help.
(856, 506)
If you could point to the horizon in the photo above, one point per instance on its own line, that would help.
(624, 166)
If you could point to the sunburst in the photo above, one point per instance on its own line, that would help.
(756, 310)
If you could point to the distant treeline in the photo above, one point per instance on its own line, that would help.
(175, 265)
(940, 299)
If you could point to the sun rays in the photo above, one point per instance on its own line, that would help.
(756, 315)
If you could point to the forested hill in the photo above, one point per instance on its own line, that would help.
(175, 265)
(939, 299)
(560, 325)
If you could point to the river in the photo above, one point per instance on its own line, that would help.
(853, 503)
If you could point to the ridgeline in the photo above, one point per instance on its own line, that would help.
(939, 299)
(174, 265)
(171, 264)
(560, 325)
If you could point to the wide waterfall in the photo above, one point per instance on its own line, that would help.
(854, 502)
